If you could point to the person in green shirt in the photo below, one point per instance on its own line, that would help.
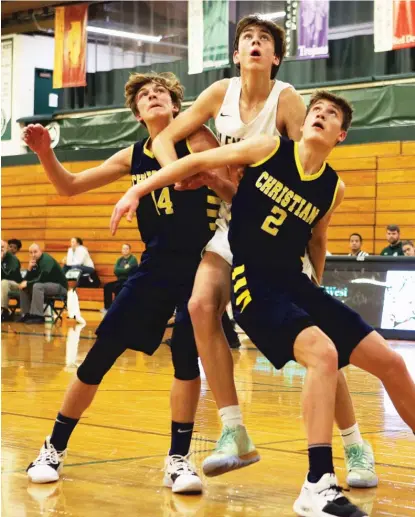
(44, 277)
(122, 269)
(393, 236)
(10, 279)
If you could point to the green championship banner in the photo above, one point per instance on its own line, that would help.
(208, 35)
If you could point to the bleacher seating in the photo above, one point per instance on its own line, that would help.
(380, 189)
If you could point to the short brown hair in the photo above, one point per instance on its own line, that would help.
(165, 79)
(345, 107)
(393, 228)
(277, 33)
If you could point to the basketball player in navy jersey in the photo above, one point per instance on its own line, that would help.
(285, 200)
(175, 227)
(243, 107)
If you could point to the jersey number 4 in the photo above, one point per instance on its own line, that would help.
(271, 223)
(164, 202)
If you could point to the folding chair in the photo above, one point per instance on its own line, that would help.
(71, 275)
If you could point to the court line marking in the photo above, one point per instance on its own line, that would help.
(94, 462)
(139, 431)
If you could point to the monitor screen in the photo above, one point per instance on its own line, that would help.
(385, 299)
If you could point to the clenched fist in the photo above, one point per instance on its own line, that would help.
(37, 138)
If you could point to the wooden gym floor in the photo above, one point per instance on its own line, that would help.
(116, 454)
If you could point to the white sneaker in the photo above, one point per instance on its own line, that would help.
(325, 499)
(180, 475)
(360, 463)
(48, 465)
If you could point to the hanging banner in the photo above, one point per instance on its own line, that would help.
(70, 46)
(208, 35)
(6, 88)
(312, 29)
(394, 24)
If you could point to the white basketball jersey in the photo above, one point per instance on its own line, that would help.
(230, 128)
(229, 125)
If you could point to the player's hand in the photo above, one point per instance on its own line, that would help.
(128, 205)
(31, 265)
(23, 285)
(37, 138)
(192, 183)
(236, 173)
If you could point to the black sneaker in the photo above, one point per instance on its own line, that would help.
(48, 465)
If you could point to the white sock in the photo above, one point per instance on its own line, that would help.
(231, 416)
(351, 436)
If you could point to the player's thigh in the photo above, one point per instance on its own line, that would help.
(374, 355)
(139, 314)
(342, 325)
(211, 290)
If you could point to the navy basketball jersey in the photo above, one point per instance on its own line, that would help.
(170, 220)
(276, 207)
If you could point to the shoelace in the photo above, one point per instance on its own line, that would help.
(358, 458)
(333, 490)
(228, 436)
(48, 455)
(180, 464)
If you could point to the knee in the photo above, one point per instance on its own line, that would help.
(318, 351)
(97, 363)
(186, 368)
(396, 365)
(38, 287)
(202, 309)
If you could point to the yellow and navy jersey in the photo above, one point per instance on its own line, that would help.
(170, 220)
(277, 206)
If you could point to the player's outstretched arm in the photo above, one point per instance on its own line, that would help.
(66, 183)
(317, 245)
(246, 152)
(188, 122)
(217, 179)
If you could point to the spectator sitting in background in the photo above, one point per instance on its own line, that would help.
(355, 244)
(10, 280)
(44, 277)
(393, 236)
(78, 257)
(408, 248)
(122, 269)
(15, 245)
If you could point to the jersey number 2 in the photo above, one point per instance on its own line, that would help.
(164, 202)
(271, 223)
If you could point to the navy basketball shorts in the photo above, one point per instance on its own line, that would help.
(138, 316)
(274, 307)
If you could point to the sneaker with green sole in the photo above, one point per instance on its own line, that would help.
(360, 464)
(234, 450)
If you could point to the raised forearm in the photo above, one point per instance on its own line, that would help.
(172, 173)
(61, 178)
(164, 150)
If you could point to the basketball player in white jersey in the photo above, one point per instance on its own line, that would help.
(243, 107)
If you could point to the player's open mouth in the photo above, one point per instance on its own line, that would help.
(255, 53)
(318, 125)
(155, 106)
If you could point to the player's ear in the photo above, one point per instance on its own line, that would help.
(176, 109)
(236, 57)
(341, 137)
(276, 61)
